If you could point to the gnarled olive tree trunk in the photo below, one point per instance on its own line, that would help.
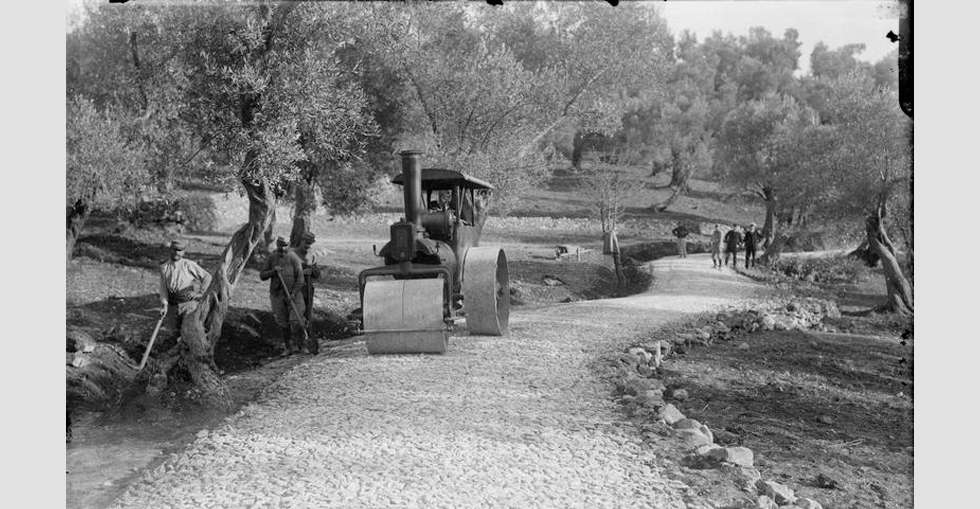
(772, 239)
(76, 216)
(899, 289)
(194, 356)
(304, 197)
(680, 178)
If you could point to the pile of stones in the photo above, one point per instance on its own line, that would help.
(779, 315)
(643, 397)
(642, 393)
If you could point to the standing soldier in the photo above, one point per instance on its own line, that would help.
(751, 244)
(681, 232)
(284, 267)
(732, 239)
(310, 272)
(182, 283)
(716, 247)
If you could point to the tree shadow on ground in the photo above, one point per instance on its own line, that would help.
(122, 250)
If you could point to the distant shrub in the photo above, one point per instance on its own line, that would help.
(830, 270)
(805, 241)
(149, 212)
(199, 212)
(194, 212)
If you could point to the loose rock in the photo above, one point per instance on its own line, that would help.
(679, 394)
(746, 476)
(808, 503)
(741, 456)
(670, 414)
(778, 492)
(80, 360)
(686, 423)
(640, 354)
(692, 438)
(706, 450)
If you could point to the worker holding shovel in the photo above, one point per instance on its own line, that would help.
(182, 283)
(285, 269)
(311, 271)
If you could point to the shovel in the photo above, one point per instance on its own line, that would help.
(146, 354)
(289, 299)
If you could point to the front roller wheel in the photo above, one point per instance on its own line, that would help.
(486, 291)
(404, 316)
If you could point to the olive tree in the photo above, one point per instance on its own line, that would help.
(262, 86)
(872, 171)
(103, 170)
(489, 84)
(771, 147)
(605, 182)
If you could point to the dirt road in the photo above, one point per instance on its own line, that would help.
(520, 421)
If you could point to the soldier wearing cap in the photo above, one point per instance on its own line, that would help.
(182, 283)
(310, 270)
(752, 238)
(284, 266)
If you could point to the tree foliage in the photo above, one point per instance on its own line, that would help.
(120, 59)
(607, 185)
(103, 169)
(490, 84)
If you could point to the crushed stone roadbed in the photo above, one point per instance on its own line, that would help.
(519, 421)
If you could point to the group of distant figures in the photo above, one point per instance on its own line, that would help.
(726, 244)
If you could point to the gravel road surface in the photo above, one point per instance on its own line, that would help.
(519, 421)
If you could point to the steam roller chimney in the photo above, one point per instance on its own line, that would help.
(412, 184)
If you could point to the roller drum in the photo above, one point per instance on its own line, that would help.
(405, 316)
(486, 291)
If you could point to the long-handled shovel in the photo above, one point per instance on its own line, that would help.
(146, 354)
(289, 299)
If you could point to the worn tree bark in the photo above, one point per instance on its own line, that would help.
(772, 239)
(864, 253)
(76, 214)
(899, 289)
(304, 197)
(620, 274)
(680, 178)
(194, 355)
(201, 330)
(680, 175)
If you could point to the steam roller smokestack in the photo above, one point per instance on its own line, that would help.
(412, 184)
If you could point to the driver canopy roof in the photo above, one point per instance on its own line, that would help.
(439, 179)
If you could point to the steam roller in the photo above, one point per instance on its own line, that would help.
(435, 273)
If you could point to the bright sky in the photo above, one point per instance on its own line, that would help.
(835, 22)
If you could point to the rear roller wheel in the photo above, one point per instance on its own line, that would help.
(486, 291)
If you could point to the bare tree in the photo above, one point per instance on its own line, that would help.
(605, 181)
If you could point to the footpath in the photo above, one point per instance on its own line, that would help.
(525, 420)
